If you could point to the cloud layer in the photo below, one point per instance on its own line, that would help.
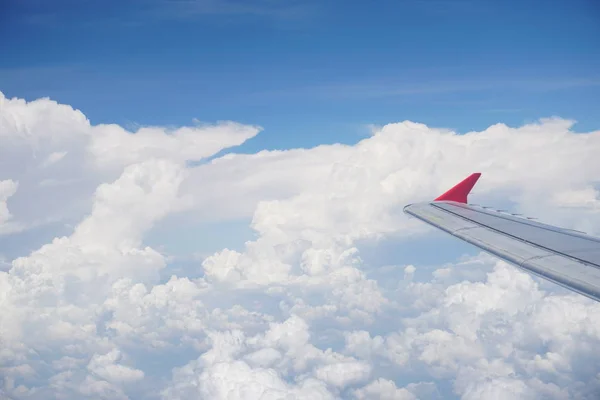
(296, 312)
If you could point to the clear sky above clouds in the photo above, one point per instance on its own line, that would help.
(203, 199)
(309, 72)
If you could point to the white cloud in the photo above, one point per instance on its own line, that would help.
(343, 373)
(105, 366)
(385, 390)
(113, 146)
(56, 154)
(409, 272)
(295, 313)
(8, 188)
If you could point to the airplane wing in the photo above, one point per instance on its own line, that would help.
(566, 257)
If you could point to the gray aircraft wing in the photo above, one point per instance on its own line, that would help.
(566, 257)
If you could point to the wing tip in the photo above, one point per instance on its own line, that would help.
(461, 190)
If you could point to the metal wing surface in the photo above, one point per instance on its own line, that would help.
(566, 257)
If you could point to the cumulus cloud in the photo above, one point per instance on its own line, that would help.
(296, 312)
(55, 153)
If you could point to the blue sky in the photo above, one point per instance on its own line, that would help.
(309, 72)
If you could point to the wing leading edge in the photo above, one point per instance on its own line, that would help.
(568, 258)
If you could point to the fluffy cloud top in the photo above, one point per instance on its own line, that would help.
(54, 153)
(296, 313)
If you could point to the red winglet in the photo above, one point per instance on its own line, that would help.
(460, 192)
